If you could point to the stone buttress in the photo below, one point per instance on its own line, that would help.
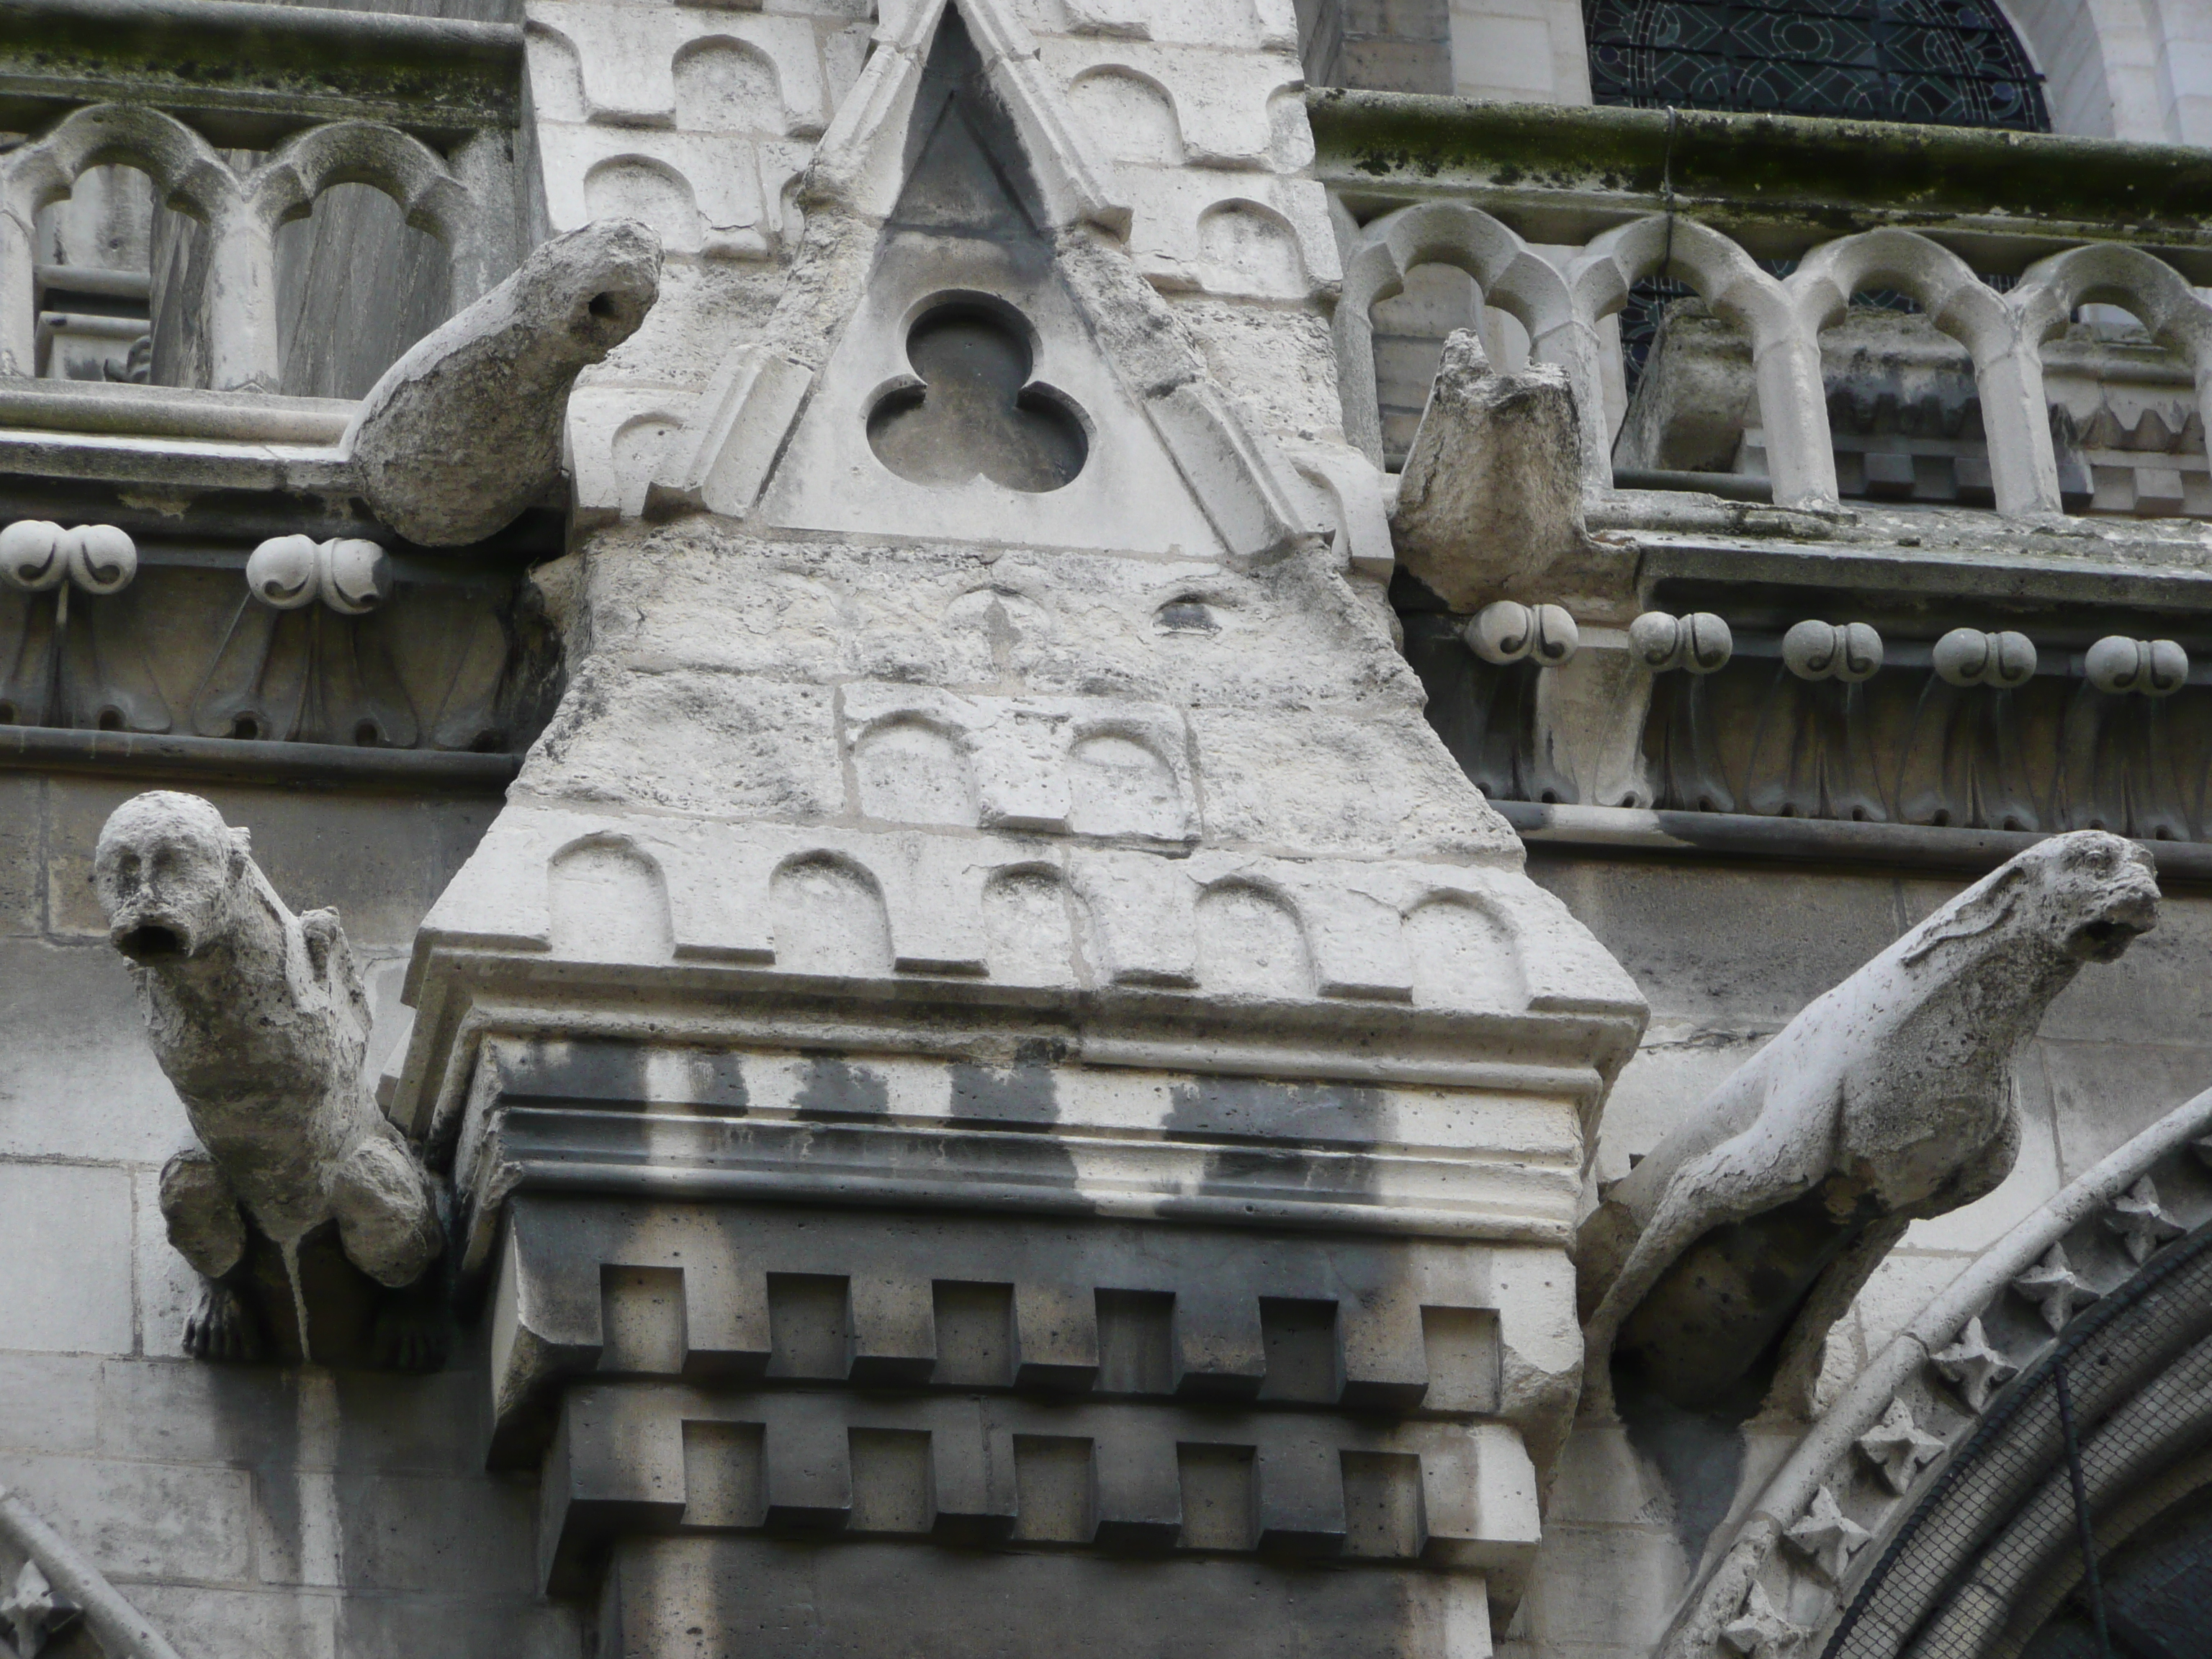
(1003, 1090)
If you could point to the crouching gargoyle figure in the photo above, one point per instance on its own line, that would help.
(1722, 1259)
(311, 1220)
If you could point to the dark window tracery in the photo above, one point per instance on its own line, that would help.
(1944, 63)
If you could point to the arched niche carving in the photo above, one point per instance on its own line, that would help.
(727, 85)
(609, 903)
(912, 770)
(1251, 943)
(1030, 920)
(1119, 784)
(653, 192)
(1132, 115)
(1463, 956)
(828, 917)
(1244, 246)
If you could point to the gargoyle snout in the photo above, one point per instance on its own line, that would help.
(150, 936)
(2129, 911)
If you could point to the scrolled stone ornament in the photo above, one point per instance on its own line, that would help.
(280, 573)
(1850, 652)
(2118, 665)
(1506, 632)
(37, 555)
(1967, 656)
(101, 558)
(1699, 643)
(350, 575)
(355, 575)
(34, 556)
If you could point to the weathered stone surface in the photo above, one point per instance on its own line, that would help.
(1490, 500)
(464, 432)
(973, 1605)
(65, 1232)
(1885, 1102)
(259, 1018)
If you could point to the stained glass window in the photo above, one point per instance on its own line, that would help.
(1943, 62)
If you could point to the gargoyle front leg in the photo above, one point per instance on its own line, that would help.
(388, 1215)
(207, 1228)
(1699, 1197)
(205, 1224)
(1798, 1371)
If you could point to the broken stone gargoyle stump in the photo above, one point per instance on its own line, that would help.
(1716, 1266)
(309, 1216)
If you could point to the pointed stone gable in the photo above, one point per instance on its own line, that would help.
(970, 185)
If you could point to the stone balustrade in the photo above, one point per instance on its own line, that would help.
(231, 113)
(1558, 239)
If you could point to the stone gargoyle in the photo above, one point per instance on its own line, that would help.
(1722, 1259)
(309, 1216)
(464, 432)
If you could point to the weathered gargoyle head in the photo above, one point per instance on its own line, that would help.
(164, 872)
(2100, 891)
(2090, 894)
(464, 432)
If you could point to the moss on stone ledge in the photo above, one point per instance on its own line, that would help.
(1830, 175)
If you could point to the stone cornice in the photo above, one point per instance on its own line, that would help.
(243, 72)
(1774, 182)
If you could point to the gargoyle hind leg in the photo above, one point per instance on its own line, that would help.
(1686, 1213)
(1798, 1372)
(207, 1228)
(387, 1217)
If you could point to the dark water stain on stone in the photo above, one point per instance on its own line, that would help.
(835, 1087)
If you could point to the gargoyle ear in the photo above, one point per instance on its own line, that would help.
(1980, 913)
(241, 847)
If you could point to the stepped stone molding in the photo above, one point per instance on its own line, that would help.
(247, 74)
(622, 1453)
(1776, 177)
(1046, 1134)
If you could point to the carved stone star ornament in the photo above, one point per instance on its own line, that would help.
(2055, 1288)
(2142, 1221)
(1827, 1536)
(36, 1611)
(1760, 1631)
(1974, 1367)
(1898, 1447)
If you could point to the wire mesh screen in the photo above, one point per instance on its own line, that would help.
(1948, 62)
(2137, 1371)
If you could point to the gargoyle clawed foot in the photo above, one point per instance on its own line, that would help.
(224, 1327)
(411, 1333)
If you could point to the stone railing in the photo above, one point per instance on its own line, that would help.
(1556, 214)
(56, 1587)
(421, 109)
